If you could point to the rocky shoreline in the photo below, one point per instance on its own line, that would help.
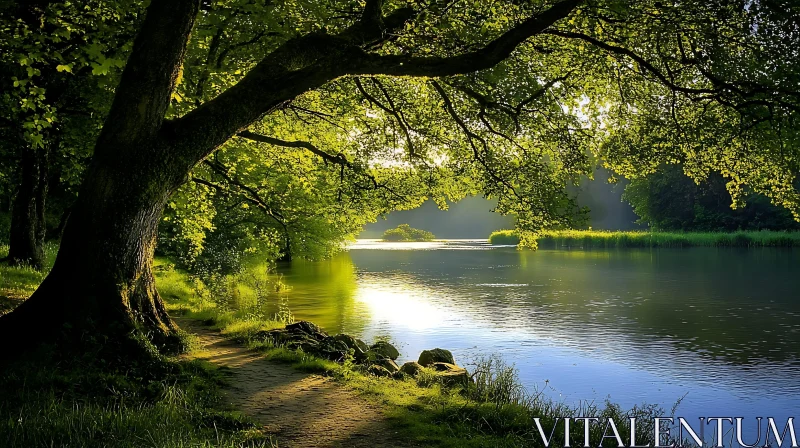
(378, 359)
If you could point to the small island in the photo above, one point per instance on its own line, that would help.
(404, 232)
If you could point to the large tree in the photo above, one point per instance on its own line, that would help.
(533, 90)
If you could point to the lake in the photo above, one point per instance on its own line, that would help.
(718, 327)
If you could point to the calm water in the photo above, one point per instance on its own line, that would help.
(718, 326)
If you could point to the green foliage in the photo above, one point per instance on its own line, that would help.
(632, 85)
(588, 239)
(238, 300)
(404, 232)
(504, 237)
(669, 200)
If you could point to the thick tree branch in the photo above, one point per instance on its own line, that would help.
(486, 57)
(337, 159)
(311, 61)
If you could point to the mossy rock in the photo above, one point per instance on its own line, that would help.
(357, 345)
(384, 350)
(411, 368)
(388, 364)
(450, 374)
(333, 349)
(379, 371)
(305, 343)
(428, 357)
(307, 328)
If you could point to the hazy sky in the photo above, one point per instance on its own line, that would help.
(472, 217)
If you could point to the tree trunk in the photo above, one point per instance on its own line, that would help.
(286, 255)
(100, 295)
(26, 241)
(101, 289)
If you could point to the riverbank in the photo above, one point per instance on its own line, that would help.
(47, 399)
(588, 239)
(493, 409)
(179, 401)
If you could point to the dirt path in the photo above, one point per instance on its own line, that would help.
(299, 409)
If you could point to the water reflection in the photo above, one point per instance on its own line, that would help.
(635, 325)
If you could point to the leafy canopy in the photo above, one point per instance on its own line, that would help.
(630, 85)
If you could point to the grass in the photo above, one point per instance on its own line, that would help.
(81, 405)
(48, 400)
(588, 239)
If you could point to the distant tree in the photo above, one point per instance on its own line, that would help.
(56, 75)
(669, 200)
(404, 232)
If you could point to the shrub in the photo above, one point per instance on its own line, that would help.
(404, 232)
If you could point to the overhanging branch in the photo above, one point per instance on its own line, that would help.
(337, 159)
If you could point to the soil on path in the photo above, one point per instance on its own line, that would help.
(298, 409)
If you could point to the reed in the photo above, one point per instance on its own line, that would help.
(593, 239)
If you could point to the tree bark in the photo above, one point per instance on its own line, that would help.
(26, 239)
(101, 289)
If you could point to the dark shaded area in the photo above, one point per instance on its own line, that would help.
(607, 209)
(669, 200)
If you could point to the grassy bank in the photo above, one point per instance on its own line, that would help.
(587, 239)
(51, 400)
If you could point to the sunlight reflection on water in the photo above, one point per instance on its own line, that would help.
(636, 326)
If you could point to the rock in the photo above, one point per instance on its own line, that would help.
(378, 371)
(428, 357)
(388, 364)
(450, 374)
(384, 350)
(333, 349)
(305, 343)
(308, 328)
(332, 343)
(357, 345)
(445, 367)
(411, 368)
(277, 336)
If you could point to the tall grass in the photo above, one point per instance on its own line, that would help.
(82, 403)
(62, 422)
(588, 239)
(49, 400)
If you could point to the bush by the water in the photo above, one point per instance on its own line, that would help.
(503, 237)
(606, 239)
(404, 232)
